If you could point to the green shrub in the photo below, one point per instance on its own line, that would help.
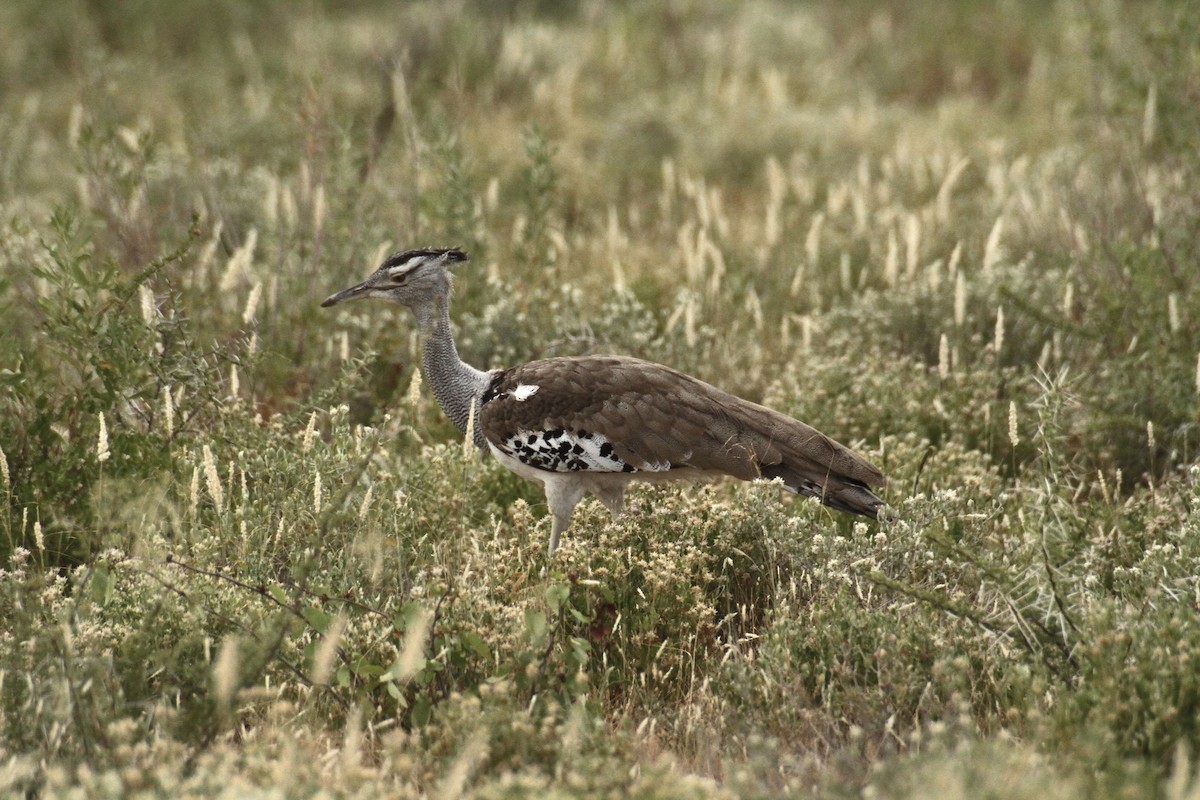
(243, 551)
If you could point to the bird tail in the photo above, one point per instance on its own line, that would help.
(854, 498)
(836, 491)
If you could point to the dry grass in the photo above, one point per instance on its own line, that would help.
(243, 553)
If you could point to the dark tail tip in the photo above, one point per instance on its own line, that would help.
(836, 492)
(853, 499)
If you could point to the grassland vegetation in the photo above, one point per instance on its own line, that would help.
(243, 553)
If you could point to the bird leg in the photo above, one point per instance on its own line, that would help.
(559, 525)
(613, 498)
(562, 495)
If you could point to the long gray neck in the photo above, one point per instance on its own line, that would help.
(455, 384)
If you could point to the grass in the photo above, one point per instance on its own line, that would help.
(242, 552)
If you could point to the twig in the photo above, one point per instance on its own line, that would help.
(258, 589)
(941, 602)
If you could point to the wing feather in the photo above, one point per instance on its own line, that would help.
(656, 417)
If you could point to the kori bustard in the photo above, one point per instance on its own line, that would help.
(596, 423)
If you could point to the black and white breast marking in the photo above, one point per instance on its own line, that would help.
(562, 450)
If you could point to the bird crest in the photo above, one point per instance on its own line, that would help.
(399, 266)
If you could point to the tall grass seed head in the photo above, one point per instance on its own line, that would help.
(146, 296)
(225, 671)
(1013, 435)
(960, 298)
(310, 431)
(414, 389)
(168, 412)
(194, 491)
(943, 365)
(317, 492)
(998, 340)
(212, 478)
(991, 250)
(365, 506)
(323, 657)
(102, 451)
(252, 303)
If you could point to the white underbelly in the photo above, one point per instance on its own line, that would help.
(599, 479)
(520, 467)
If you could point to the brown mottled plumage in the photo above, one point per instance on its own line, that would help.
(593, 424)
(661, 420)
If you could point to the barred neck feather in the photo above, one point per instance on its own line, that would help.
(455, 384)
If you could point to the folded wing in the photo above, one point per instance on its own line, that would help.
(617, 414)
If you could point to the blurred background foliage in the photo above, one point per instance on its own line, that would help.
(240, 551)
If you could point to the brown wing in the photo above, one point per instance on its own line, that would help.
(657, 418)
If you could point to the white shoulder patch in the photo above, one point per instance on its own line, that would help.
(523, 392)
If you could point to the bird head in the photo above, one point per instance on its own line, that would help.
(417, 279)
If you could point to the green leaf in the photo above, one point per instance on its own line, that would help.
(421, 712)
(317, 618)
(556, 595)
(535, 627)
(102, 585)
(404, 615)
(368, 669)
(475, 643)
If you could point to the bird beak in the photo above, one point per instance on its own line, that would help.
(346, 294)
